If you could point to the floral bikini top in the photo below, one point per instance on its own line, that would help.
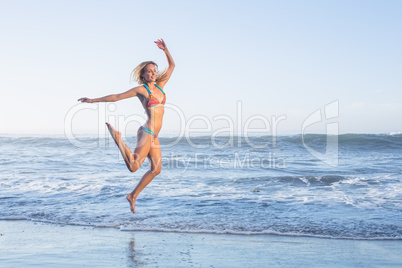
(152, 101)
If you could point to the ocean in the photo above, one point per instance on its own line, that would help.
(345, 187)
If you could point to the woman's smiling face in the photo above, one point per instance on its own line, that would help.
(149, 73)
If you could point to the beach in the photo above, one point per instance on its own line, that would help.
(244, 206)
(25, 243)
(275, 142)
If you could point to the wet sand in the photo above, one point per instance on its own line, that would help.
(31, 244)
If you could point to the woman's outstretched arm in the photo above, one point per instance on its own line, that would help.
(112, 98)
(161, 44)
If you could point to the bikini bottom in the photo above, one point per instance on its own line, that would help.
(147, 130)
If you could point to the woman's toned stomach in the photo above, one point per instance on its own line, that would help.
(155, 118)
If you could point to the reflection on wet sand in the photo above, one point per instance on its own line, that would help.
(132, 254)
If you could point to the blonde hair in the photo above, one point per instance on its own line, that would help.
(136, 74)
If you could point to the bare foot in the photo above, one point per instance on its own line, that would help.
(131, 200)
(116, 135)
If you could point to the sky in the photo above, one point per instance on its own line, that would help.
(262, 67)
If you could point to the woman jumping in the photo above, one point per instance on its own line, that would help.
(153, 99)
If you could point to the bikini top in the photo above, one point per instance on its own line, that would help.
(152, 101)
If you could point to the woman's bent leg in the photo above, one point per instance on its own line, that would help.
(155, 158)
(133, 160)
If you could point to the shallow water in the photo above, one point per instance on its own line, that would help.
(230, 185)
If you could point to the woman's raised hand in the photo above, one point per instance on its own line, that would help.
(161, 44)
(85, 100)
